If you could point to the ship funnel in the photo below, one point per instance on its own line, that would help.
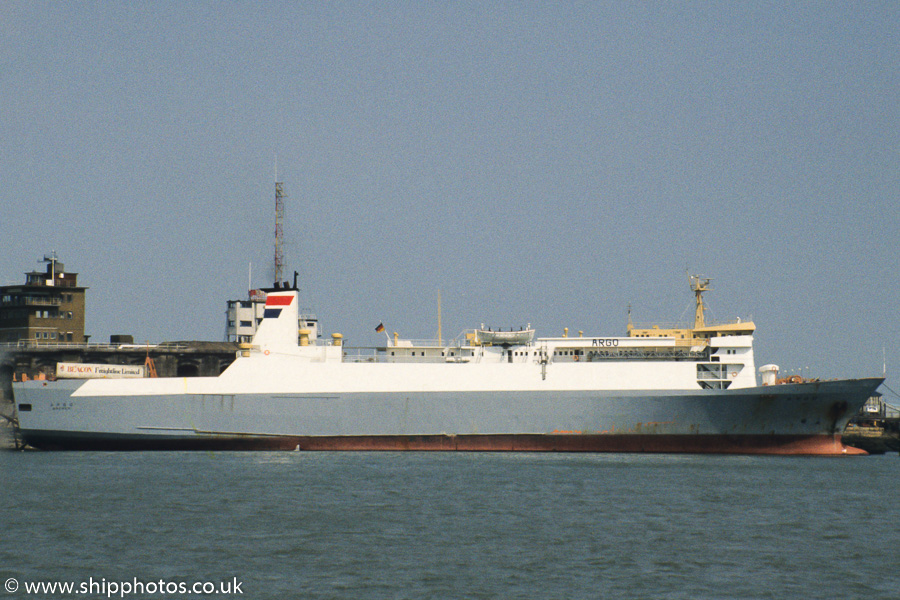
(769, 374)
(279, 325)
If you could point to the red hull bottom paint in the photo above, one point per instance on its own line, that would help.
(815, 445)
(712, 444)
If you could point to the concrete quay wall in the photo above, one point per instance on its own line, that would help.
(170, 359)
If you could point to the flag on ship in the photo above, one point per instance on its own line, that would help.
(380, 328)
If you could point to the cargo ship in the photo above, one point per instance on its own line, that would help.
(690, 389)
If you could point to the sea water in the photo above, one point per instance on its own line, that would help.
(424, 525)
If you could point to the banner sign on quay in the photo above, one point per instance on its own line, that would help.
(93, 371)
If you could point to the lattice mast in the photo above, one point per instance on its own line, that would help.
(279, 231)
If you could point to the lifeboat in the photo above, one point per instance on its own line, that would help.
(489, 337)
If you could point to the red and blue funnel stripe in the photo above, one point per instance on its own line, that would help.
(274, 304)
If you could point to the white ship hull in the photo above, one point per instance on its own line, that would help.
(797, 418)
(594, 394)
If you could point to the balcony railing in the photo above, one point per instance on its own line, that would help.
(32, 301)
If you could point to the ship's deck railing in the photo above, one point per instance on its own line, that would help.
(662, 325)
(691, 342)
(358, 354)
(381, 354)
(643, 354)
(690, 325)
(454, 342)
(420, 343)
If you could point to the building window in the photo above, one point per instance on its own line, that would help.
(246, 323)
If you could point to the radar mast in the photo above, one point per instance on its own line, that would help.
(699, 284)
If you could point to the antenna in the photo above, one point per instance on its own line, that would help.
(439, 332)
(279, 230)
(52, 259)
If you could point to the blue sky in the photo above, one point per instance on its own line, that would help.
(544, 163)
